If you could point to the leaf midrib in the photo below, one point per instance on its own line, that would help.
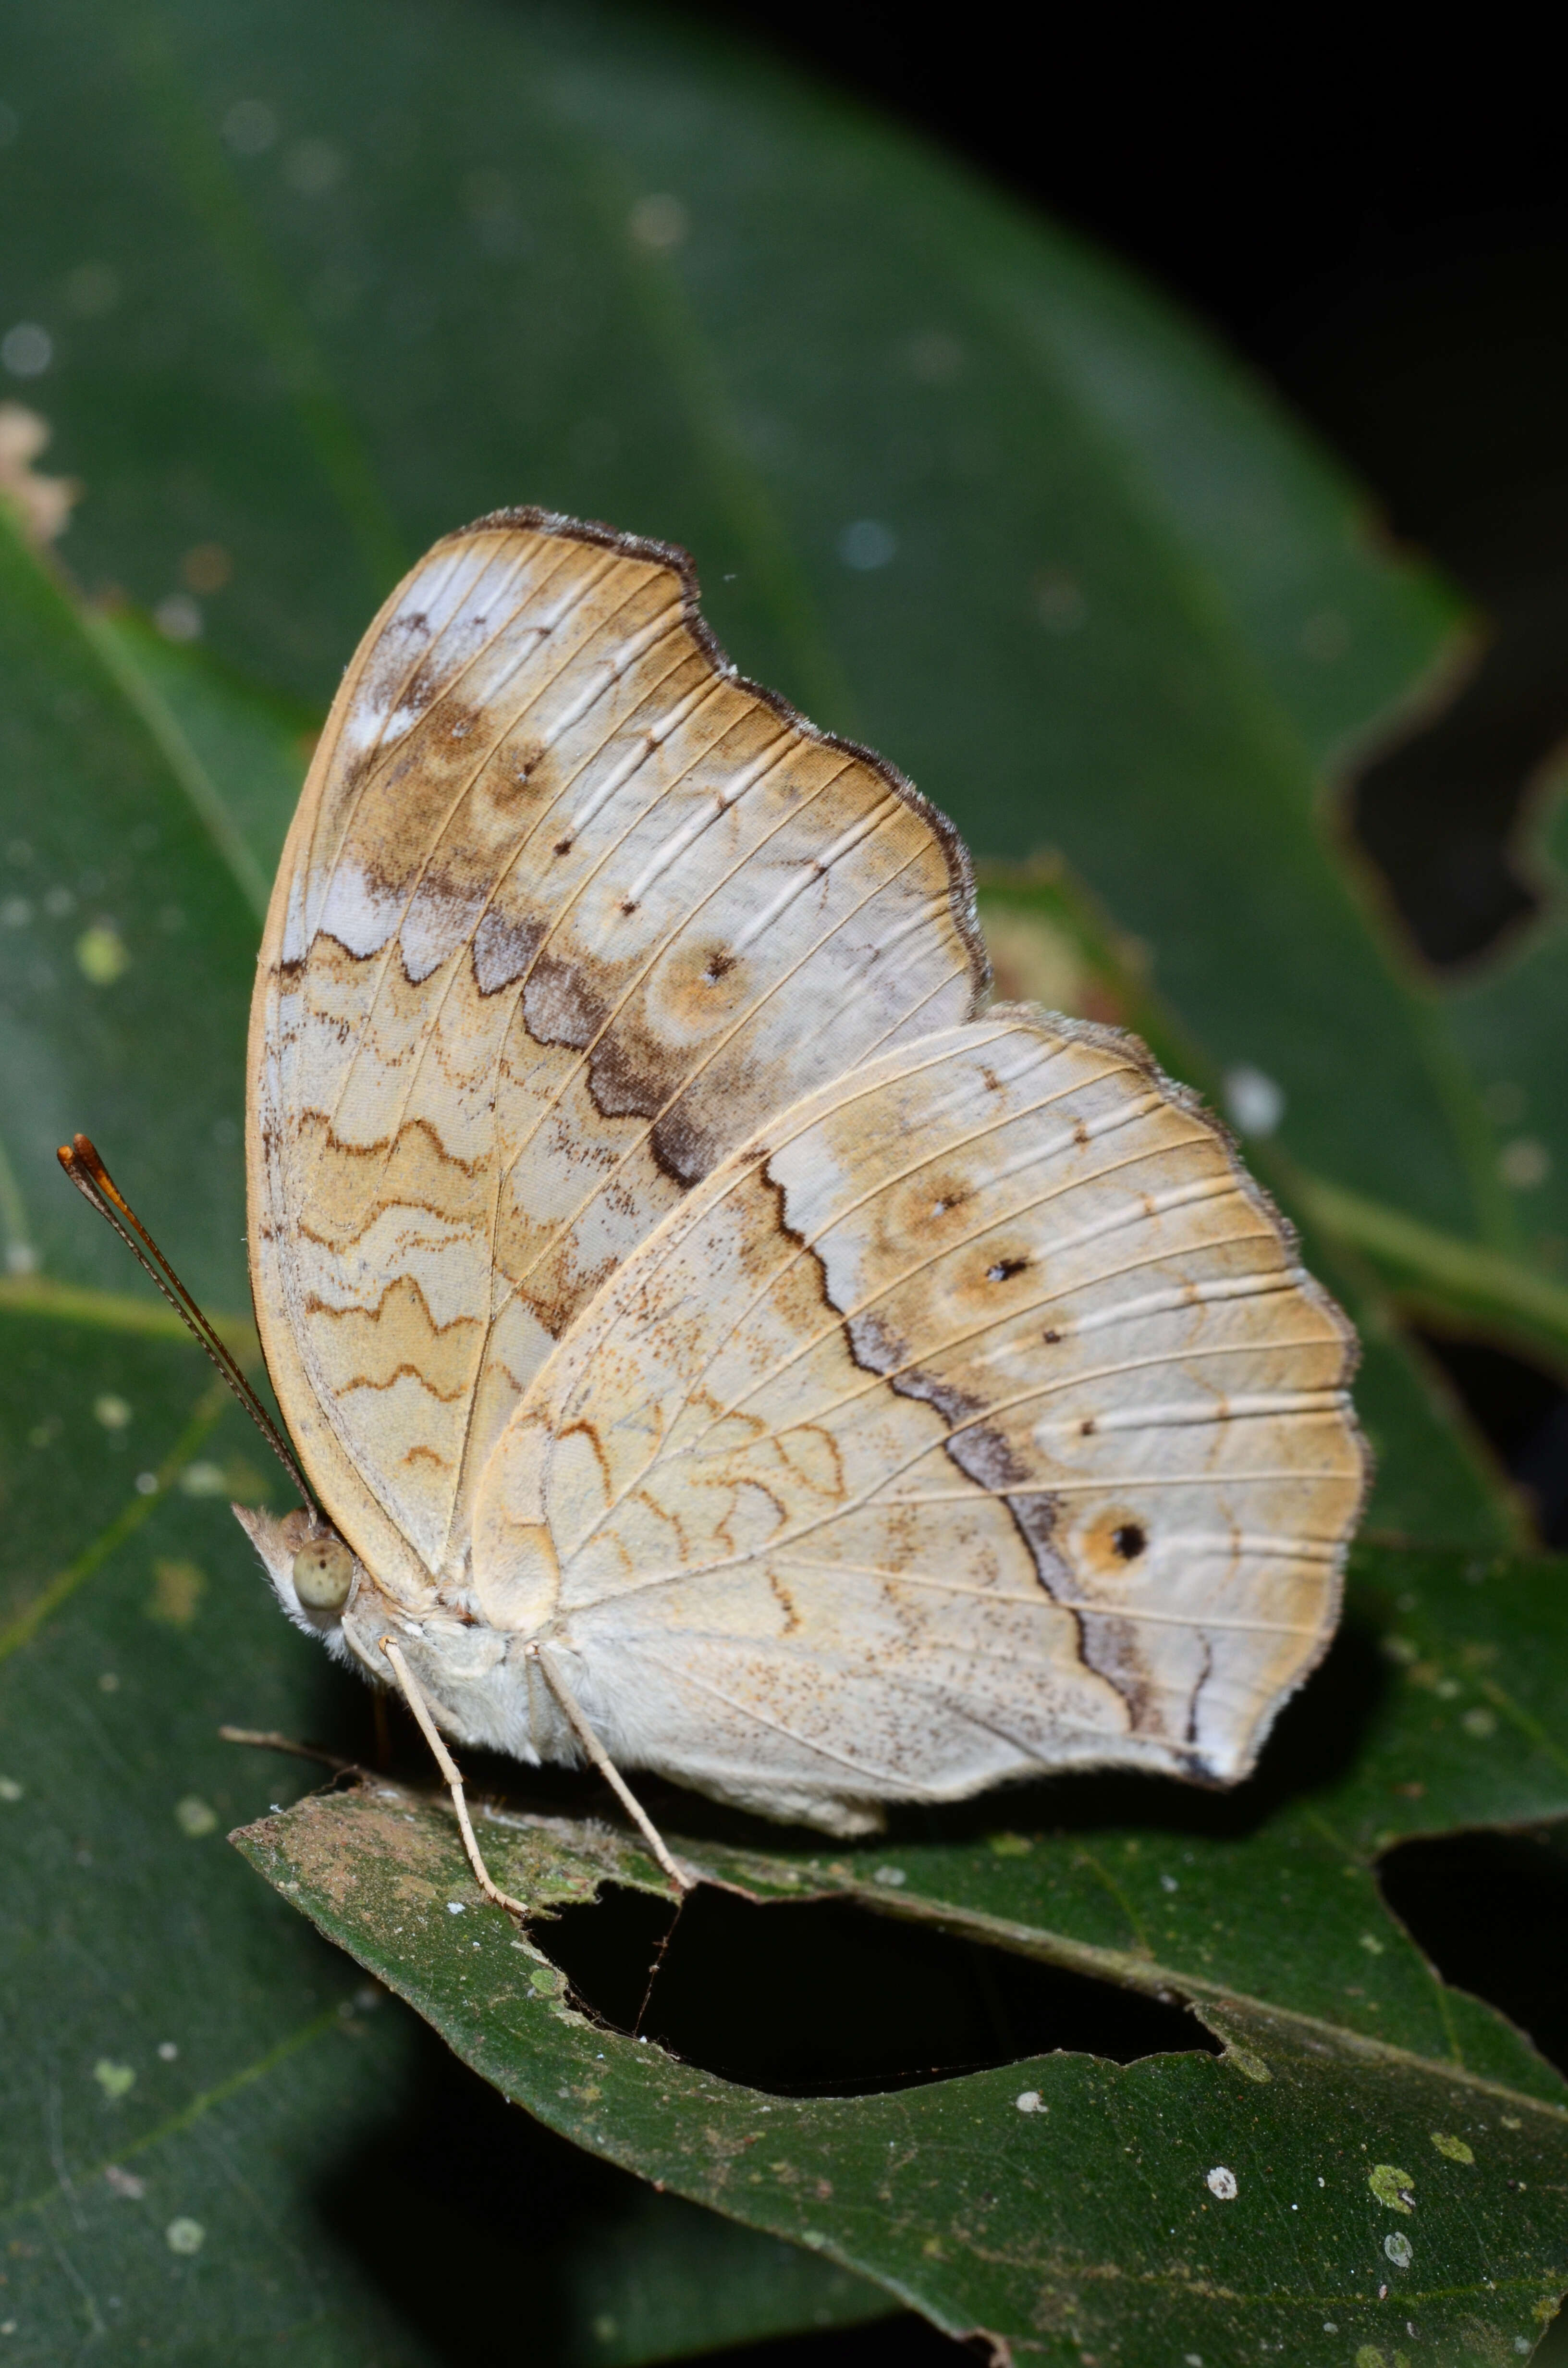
(196, 2110)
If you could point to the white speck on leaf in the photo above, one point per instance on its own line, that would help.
(124, 2182)
(1399, 2250)
(178, 618)
(659, 223)
(195, 1816)
(866, 544)
(167, 2051)
(1221, 2183)
(1479, 1722)
(111, 1411)
(1255, 1102)
(115, 2080)
(313, 167)
(891, 1875)
(184, 2236)
(27, 350)
(1524, 1163)
(454, 1907)
(1029, 2102)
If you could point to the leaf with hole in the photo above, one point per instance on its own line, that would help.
(1210, 2046)
(162, 2020)
(322, 284)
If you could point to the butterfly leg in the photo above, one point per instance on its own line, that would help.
(606, 1768)
(450, 1771)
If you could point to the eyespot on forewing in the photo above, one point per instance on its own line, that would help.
(323, 1573)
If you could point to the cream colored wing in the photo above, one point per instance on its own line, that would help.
(566, 912)
(974, 1419)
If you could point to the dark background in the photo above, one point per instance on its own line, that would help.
(1381, 230)
(1386, 238)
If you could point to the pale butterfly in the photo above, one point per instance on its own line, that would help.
(720, 1343)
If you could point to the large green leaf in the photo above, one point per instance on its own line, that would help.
(443, 258)
(1510, 1020)
(1127, 612)
(178, 2048)
(175, 2052)
(1372, 2149)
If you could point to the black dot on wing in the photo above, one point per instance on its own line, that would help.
(1005, 1268)
(1129, 1541)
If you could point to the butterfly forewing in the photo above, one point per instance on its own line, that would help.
(975, 1418)
(567, 912)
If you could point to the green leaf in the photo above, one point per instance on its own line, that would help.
(1128, 611)
(1227, 2203)
(133, 1623)
(239, 758)
(126, 961)
(1509, 1017)
(1130, 614)
(179, 2048)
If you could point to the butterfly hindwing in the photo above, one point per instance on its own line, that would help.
(974, 1417)
(567, 911)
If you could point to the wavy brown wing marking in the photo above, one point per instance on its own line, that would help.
(567, 912)
(978, 1420)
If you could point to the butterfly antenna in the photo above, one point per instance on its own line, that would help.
(87, 1171)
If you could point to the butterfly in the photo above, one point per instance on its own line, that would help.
(719, 1342)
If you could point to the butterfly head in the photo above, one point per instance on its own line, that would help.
(313, 1570)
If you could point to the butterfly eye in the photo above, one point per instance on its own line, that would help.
(1129, 1540)
(323, 1573)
